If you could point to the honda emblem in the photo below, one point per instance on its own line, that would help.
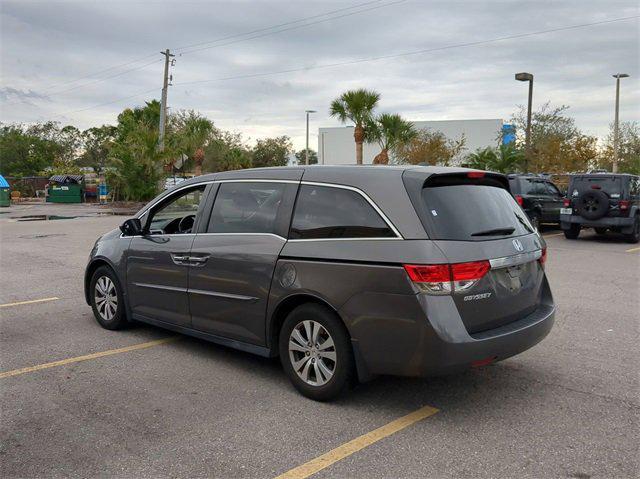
(517, 245)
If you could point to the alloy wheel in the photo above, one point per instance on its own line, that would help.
(106, 298)
(312, 353)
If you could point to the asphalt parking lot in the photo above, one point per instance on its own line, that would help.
(123, 404)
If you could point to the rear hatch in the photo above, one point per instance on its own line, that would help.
(611, 185)
(495, 255)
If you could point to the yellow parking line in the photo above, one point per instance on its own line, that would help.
(86, 357)
(355, 445)
(633, 249)
(32, 301)
(551, 236)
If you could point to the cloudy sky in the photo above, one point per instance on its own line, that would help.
(253, 67)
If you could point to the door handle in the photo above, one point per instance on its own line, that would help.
(180, 259)
(198, 260)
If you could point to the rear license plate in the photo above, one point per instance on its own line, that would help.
(566, 211)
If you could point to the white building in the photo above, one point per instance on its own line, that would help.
(337, 147)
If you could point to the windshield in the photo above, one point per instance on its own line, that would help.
(473, 213)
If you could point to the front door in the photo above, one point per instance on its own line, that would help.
(158, 260)
(233, 262)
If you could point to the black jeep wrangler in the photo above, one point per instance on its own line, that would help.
(603, 201)
(538, 196)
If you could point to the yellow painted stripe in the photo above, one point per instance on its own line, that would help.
(86, 357)
(31, 301)
(633, 249)
(551, 236)
(357, 444)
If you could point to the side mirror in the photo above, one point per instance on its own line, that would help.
(131, 227)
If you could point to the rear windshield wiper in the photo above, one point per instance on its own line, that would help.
(495, 231)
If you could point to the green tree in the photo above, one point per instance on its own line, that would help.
(226, 151)
(271, 152)
(97, 145)
(628, 149)
(557, 145)
(356, 106)
(191, 134)
(504, 159)
(391, 132)
(300, 157)
(430, 147)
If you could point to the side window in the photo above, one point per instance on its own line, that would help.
(535, 187)
(246, 208)
(328, 212)
(177, 214)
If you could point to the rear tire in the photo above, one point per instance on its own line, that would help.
(573, 232)
(601, 231)
(634, 236)
(107, 300)
(320, 369)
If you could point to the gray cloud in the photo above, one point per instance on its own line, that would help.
(45, 45)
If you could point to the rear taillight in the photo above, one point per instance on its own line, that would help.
(519, 199)
(623, 205)
(446, 278)
(566, 202)
(543, 257)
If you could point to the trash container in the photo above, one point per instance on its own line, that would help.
(66, 189)
(5, 192)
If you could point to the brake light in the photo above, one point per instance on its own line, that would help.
(566, 202)
(446, 278)
(519, 199)
(475, 174)
(623, 205)
(596, 187)
(543, 257)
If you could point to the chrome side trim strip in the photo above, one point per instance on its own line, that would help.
(257, 180)
(300, 240)
(223, 295)
(365, 196)
(514, 260)
(158, 286)
(242, 234)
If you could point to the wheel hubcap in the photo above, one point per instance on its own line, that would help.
(106, 298)
(312, 353)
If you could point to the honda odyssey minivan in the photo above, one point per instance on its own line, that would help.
(344, 272)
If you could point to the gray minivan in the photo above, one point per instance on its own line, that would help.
(344, 272)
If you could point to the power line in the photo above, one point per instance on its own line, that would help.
(370, 59)
(295, 27)
(415, 52)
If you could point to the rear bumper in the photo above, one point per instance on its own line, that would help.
(606, 221)
(401, 340)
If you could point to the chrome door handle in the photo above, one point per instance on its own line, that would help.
(180, 259)
(198, 259)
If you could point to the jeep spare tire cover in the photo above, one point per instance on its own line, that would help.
(593, 204)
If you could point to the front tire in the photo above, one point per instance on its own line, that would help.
(315, 352)
(573, 232)
(107, 300)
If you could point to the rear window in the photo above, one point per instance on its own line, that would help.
(612, 185)
(472, 212)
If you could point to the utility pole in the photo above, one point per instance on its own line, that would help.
(163, 107)
(616, 126)
(306, 151)
(527, 77)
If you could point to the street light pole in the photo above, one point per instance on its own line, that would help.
(616, 126)
(527, 77)
(306, 151)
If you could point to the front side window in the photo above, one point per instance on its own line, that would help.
(177, 214)
(246, 207)
(329, 212)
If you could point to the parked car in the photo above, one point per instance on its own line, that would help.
(605, 202)
(343, 272)
(538, 196)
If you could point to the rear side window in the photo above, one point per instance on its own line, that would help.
(330, 212)
(472, 212)
(246, 208)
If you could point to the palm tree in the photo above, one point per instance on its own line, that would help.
(504, 159)
(193, 132)
(356, 106)
(391, 132)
